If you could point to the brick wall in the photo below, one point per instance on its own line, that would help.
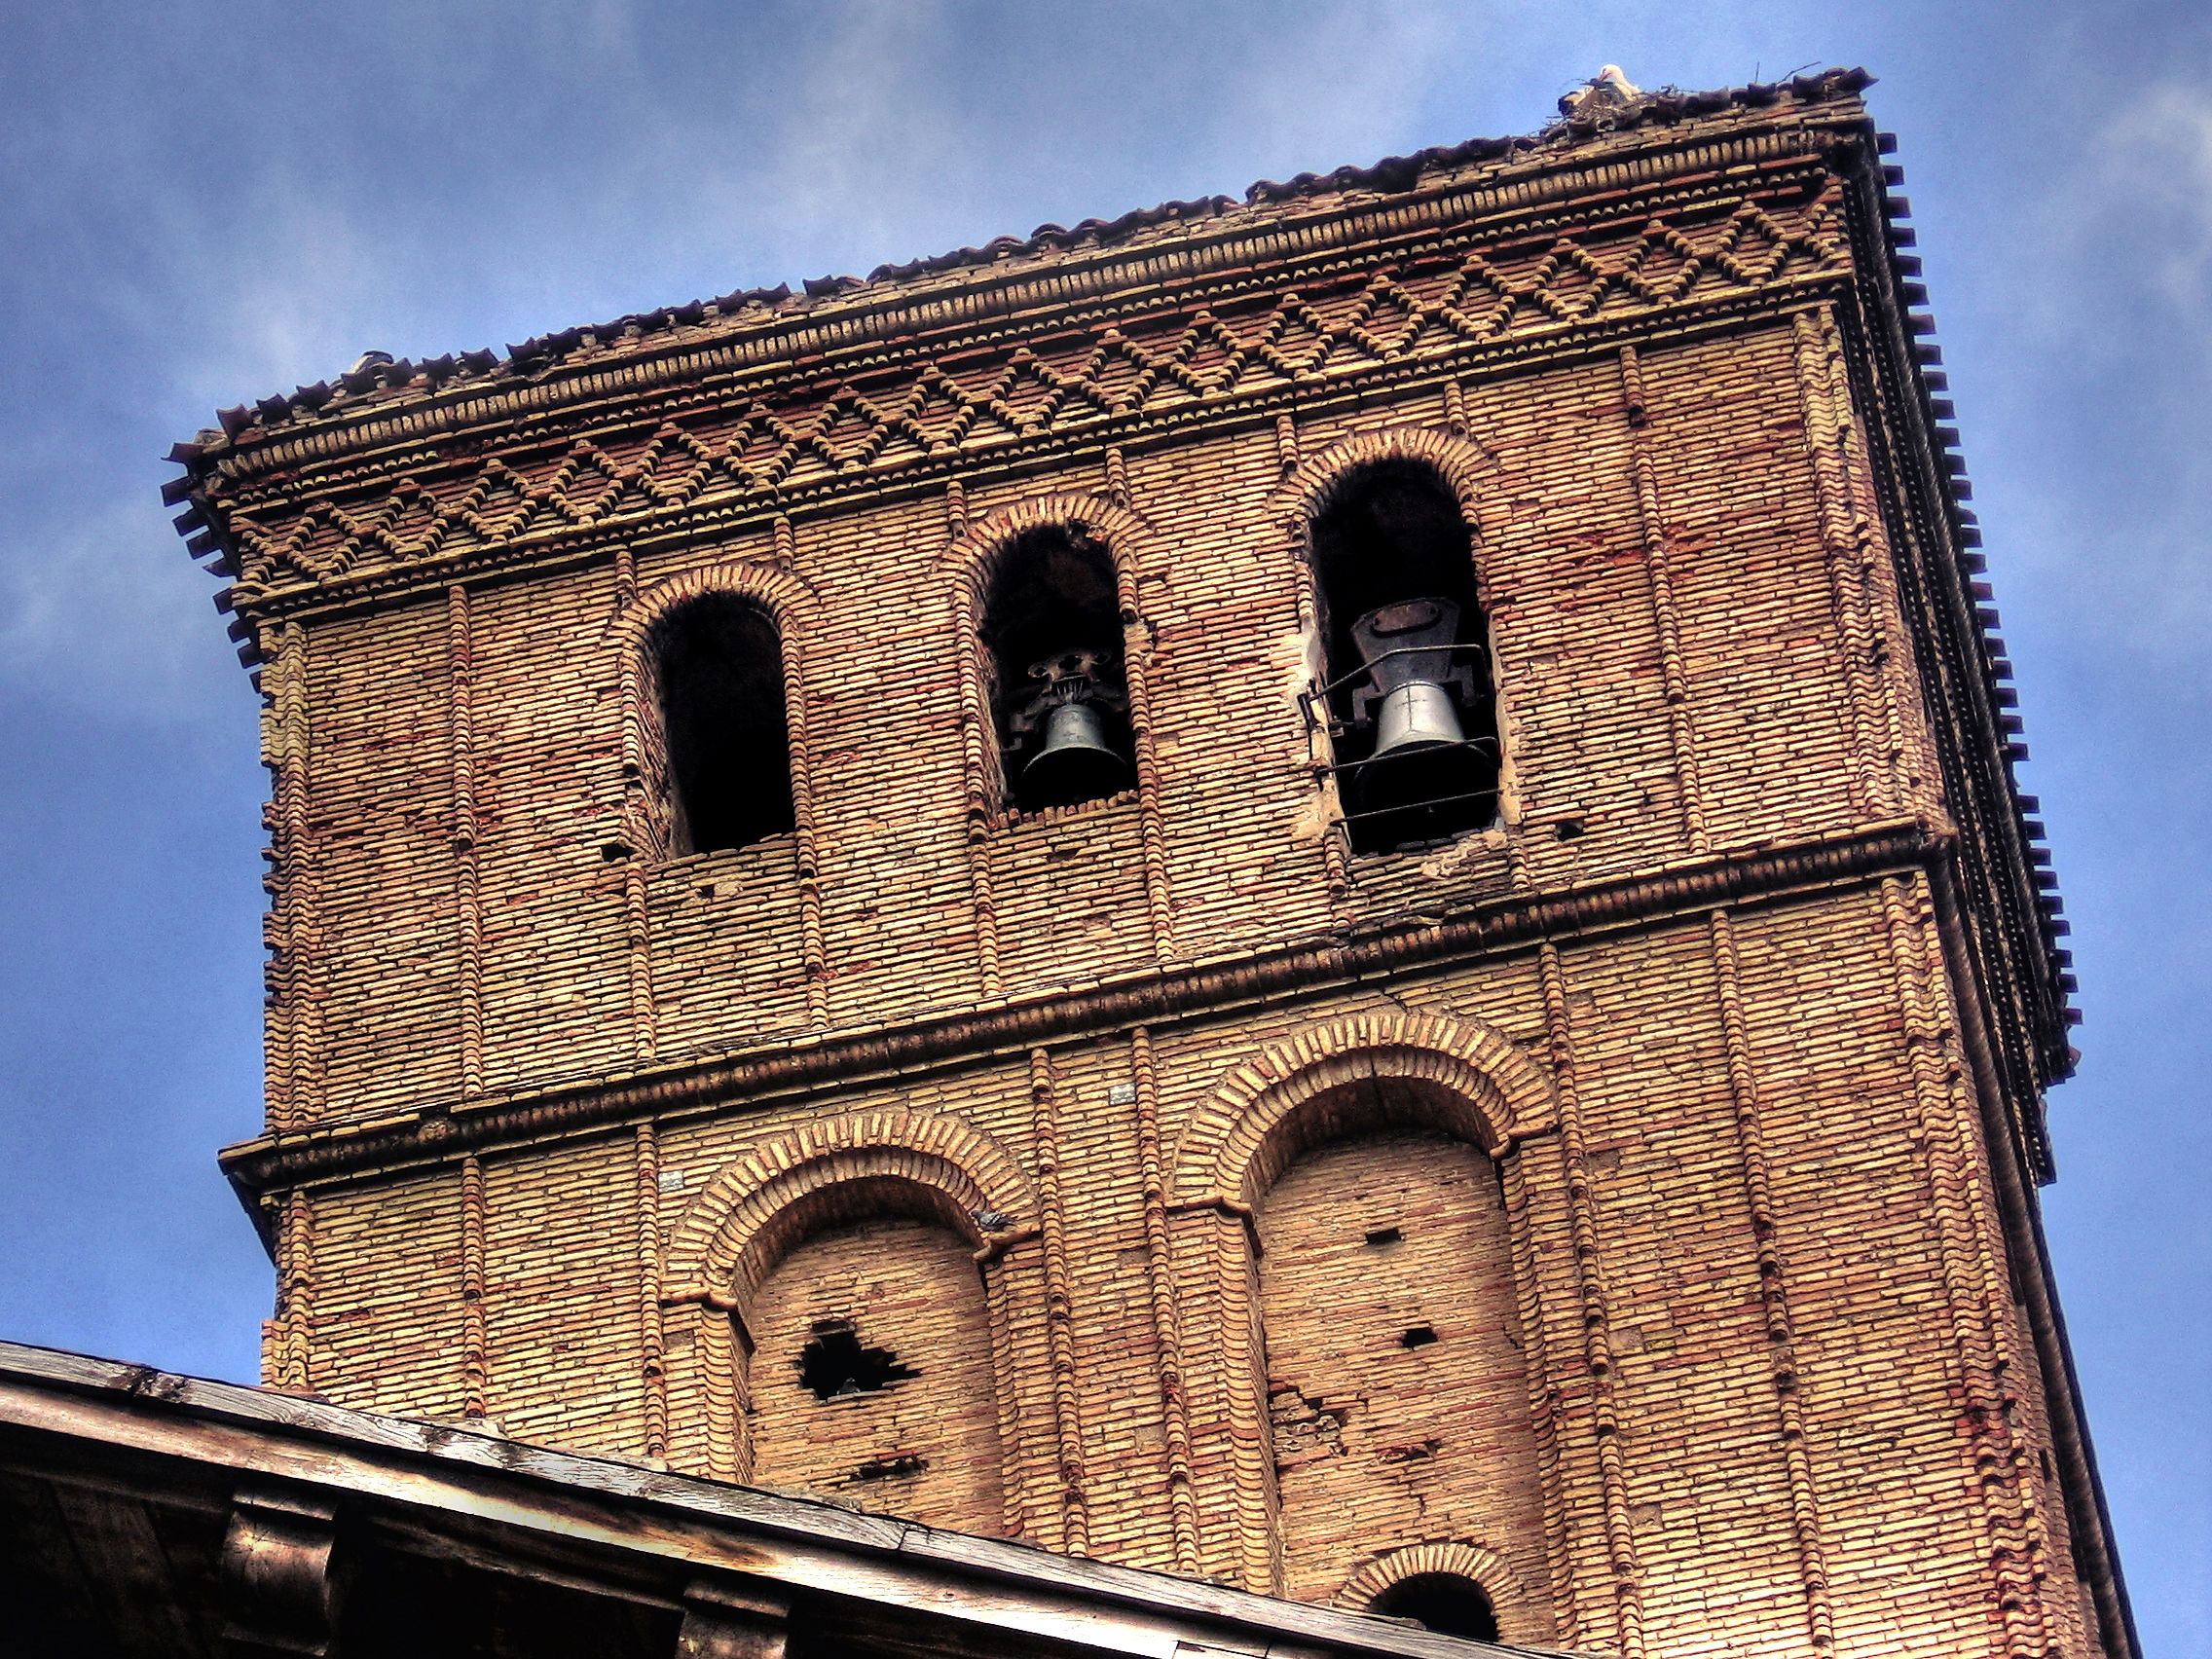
(923, 1444)
(1396, 1397)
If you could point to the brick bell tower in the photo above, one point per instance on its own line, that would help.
(1323, 890)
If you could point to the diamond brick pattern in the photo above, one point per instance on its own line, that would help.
(1294, 337)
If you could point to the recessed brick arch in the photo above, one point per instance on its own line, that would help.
(1474, 1080)
(1125, 535)
(783, 595)
(974, 557)
(1331, 1088)
(729, 1233)
(790, 606)
(1482, 1566)
(1308, 488)
(1461, 462)
(878, 1165)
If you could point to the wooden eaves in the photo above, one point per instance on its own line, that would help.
(142, 1512)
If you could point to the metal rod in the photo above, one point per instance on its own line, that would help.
(1368, 666)
(1417, 806)
(1490, 743)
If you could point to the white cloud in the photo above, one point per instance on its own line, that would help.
(2102, 294)
(2155, 162)
(105, 611)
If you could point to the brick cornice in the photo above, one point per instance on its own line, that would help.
(1189, 991)
(968, 301)
(718, 521)
(351, 521)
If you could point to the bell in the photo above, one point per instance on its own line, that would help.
(1420, 748)
(1076, 761)
(1416, 716)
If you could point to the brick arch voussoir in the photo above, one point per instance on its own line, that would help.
(1475, 1562)
(1125, 533)
(745, 1197)
(783, 596)
(1509, 1094)
(1462, 464)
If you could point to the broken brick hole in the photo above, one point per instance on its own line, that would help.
(1413, 1452)
(1420, 1336)
(1566, 829)
(891, 1469)
(1385, 1236)
(834, 1365)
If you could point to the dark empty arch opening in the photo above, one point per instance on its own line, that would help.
(721, 673)
(1442, 1601)
(1410, 703)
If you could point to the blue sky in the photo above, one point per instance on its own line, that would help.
(204, 203)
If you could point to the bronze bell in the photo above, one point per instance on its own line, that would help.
(1076, 761)
(1421, 748)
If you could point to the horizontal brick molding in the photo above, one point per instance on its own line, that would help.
(1311, 969)
(801, 427)
(931, 1167)
(1463, 1077)
(824, 333)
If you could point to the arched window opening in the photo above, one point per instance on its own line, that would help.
(1442, 1601)
(1408, 701)
(1053, 638)
(719, 670)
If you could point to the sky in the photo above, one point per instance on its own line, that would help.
(201, 205)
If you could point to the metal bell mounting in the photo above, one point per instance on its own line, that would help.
(1421, 751)
(1408, 648)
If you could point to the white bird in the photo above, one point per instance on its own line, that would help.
(1608, 89)
(1611, 79)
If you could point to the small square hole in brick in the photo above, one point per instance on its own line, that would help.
(1566, 829)
(1420, 1336)
(1385, 1236)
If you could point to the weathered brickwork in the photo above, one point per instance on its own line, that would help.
(1626, 1208)
(902, 1420)
(1396, 1396)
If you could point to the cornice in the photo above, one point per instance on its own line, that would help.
(1921, 487)
(1047, 279)
(720, 519)
(1193, 991)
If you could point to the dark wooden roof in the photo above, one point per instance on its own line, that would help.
(146, 1513)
